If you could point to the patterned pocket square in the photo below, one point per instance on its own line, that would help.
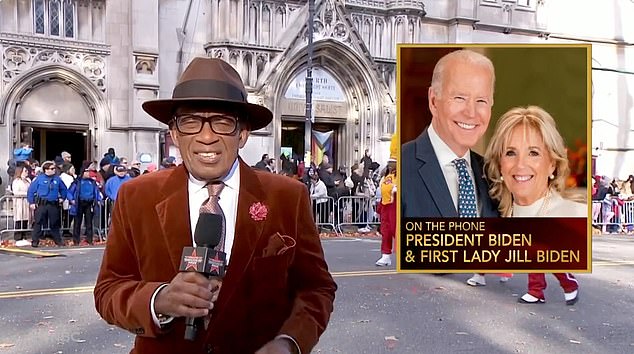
(278, 244)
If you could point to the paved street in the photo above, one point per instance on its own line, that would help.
(47, 307)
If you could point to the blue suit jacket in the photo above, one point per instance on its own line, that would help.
(425, 192)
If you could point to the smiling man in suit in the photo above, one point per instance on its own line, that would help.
(441, 176)
(277, 294)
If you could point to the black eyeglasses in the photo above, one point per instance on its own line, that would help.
(193, 124)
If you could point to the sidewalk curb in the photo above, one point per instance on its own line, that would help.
(30, 253)
(350, 235)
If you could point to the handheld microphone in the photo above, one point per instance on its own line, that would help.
(204, 258)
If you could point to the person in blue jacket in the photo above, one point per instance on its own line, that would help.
(112, 185)
(45, 196)
(22, 153)
(83, 195)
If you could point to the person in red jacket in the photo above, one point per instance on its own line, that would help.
(387, 206)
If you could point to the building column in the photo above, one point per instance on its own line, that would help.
(214, 20)
(240, 24)
(222, 13)
(259, 14)
(145, 76)
(254, 70)
(240, 63)
(227, 16)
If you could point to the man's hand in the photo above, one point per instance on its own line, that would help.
(32, 206)
(278, 346)
(189, 294)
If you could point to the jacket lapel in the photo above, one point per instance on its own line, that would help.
(174, 222)
(432, 176)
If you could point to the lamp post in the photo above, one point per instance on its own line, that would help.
(309, 86)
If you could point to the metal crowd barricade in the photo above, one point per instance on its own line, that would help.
(327, 213)
(356, 211)
(101, 218)
(66, 221)
(627, 213)
(7, 220)
(10, 204)
(603, 216)
(324, 212)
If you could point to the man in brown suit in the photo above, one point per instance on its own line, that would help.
(277, 294)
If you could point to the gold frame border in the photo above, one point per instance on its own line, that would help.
(588, 48)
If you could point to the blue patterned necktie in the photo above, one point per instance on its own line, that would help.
(466, 192)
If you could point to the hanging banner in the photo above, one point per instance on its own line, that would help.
(321, 144)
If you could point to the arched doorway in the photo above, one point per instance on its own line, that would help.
(53, 118)
(55, 108)
(351, 120)
(330, 114)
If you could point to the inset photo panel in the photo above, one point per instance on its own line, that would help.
(493, 169)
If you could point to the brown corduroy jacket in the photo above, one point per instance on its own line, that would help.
(266, 291)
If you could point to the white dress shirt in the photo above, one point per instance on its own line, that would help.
(197, 194)
(228, 200)
(445, 156)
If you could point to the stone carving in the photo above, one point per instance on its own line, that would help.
(506, 15)
(411, 25)
(233, 58)
(145, 65)
(95, 69)
(18, 59)
(93, 66)
(340, 32)
(327, 24)
(218, 53)
(387, 73)
(387, 123)
(55, 56)
(261, 62)
(98, 4)
(246, 72)
(249, 63)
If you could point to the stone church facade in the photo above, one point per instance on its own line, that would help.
(74, 73)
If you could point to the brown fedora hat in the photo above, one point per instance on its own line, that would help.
(215, 82)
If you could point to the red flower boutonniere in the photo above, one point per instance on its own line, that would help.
(258, 211)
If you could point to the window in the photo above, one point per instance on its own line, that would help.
(526, 3)
(69, 19)
(38, 9)
(54, 17)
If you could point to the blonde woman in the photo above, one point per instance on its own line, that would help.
(21, 213)
(527, 165)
